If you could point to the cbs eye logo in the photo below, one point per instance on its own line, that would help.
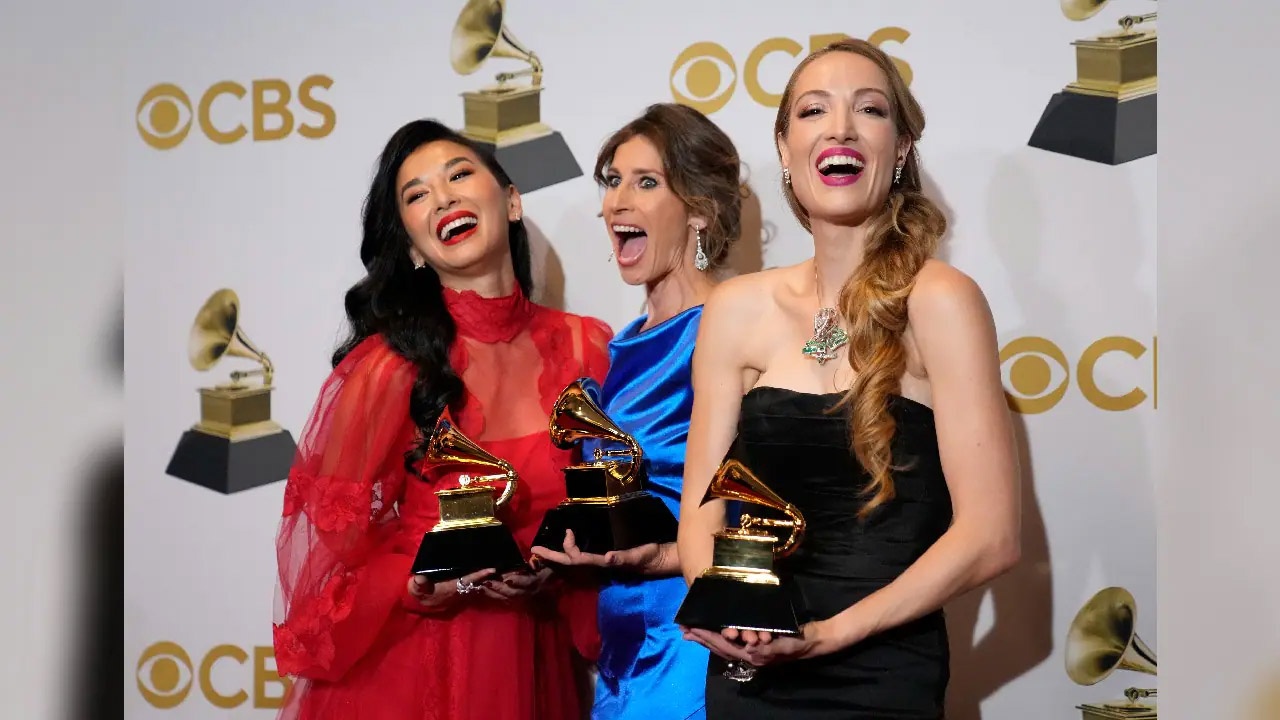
(165, 115)
(704, 75)
(166, 675)
(1027, 364)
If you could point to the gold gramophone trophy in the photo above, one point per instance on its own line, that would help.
(507, 118)
(468, 537)
(1102, 638)
(740, 589)
(607, 506)
(1108, 114)
(236, 445)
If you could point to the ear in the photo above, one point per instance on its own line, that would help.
(783, 151)
(416, 257)
(515, 210)
(904, 149)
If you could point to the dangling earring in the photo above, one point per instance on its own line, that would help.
(897, 175)
(700, 260)
(786, 175)
(610, 256)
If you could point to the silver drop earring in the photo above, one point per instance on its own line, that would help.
(610, 256)
(700, 260)
(786, 175)
(897, 175)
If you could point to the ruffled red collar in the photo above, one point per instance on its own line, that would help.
(489, 320)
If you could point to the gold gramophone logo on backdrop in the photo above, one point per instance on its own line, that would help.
(507, 119)
(1108, 114)
(1102, 638)
(236, 445)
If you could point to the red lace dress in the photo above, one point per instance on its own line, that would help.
(357, 644)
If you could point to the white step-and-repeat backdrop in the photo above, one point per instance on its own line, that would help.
(256, 129)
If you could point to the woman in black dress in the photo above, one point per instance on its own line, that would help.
(868, 394)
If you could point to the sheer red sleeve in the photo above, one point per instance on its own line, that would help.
(595, 350)
(578, 601)
(341, 569)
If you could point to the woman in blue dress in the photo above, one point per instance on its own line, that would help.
(672, 206)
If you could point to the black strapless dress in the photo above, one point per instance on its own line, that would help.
(791, 443)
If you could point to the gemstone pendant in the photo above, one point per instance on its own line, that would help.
(828, 337)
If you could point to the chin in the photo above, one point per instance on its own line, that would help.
(635, 275)
(471, 253)
(841, 213)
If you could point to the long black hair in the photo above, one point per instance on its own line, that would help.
(406, 305)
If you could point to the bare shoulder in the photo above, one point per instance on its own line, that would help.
(942, 294)
(748, 297)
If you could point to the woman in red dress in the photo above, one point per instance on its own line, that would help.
(441, 324)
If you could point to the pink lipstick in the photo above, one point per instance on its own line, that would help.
(838, 166)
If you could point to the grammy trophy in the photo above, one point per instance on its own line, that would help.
(1108, 114)
(236, 445)
(506, 119)
(607, 506)
(468, 536)
(740, 589)
(1102, 638)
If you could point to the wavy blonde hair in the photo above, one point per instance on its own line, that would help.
(874, 299)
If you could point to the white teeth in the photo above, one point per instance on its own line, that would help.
(627, 229)
(460, 222)
(840, 160)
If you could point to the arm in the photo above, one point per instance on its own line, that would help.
(343, 564)
(954, 332)
(718, 386)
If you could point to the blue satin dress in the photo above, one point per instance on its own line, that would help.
(647, 670)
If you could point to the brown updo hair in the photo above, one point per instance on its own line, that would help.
(701, 165)
(874, 299)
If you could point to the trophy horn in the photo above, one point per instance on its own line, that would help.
(733, 481)
(479, 34)
(449, 446)
(216, 333)
(1082, 9)
(577, 416)
(1103, 637)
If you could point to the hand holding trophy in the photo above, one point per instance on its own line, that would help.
(607, 507)
(468, 537)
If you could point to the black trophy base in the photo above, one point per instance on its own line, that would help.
(228, 466)
(715, 603)
(537, 163)
(1104, 130)
(450, 554)
(597, 529)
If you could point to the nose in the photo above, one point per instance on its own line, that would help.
(843, 127)
(617, 199)
(444, 200)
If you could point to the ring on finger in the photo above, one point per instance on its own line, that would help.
(466, 587)
(739, 672)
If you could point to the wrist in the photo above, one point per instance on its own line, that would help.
(665, 562)
(840, 632)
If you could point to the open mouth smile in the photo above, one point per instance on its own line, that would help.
(630, 242)
(456, 227)
(840, 166)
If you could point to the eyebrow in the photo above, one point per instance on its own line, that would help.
(825, 94)
(639, 171)
(447, 165)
